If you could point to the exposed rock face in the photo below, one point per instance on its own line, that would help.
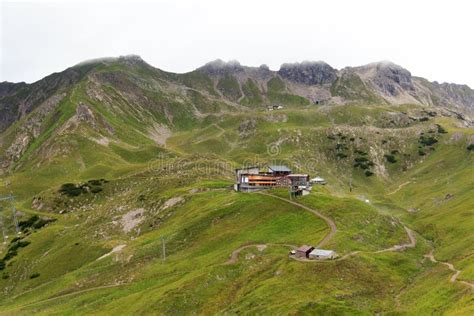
(387, 78)
(460, 94)
(29, 131)
(390, 76)
(310, 73)
(215, 88)
(18, 100)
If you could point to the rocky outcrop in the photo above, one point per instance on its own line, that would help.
(18, 100)
(220, 67)
(29, 131)
(310, 73)
(387, 78)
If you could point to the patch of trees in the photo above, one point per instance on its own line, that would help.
(12, 251)
(426, 140)
(73, 190)
(35, 222)
(364, 163)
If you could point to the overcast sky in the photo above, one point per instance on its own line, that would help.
(432, 39)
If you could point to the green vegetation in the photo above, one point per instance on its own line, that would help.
(276, 93)
(168, 145)
(252, 93)
(351, 87)
(230, 88)
(390, 158)
(427, 140)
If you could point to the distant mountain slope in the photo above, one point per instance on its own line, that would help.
(315, 81)
(125, 101)
(112, 160)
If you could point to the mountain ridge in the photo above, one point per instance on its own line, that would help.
(165, 101)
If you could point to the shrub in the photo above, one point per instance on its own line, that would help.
(5, 276)
(341, 155)
(361, 152)
(70, 189)
(427, 140)
(18, 244)
(441, 130)
(96, 189)
(10, 254)
(28, 223)
(421, 152)
(95, 182)
(2, 264)
(34, 275)
(470, 147)
(361, 159)
(394, 152)
(34, 222)
(42, 222)
(368, 173)
(390, 158)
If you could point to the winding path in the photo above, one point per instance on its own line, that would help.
(451, 267)
(333, 229)
(328, 220)
(402, 247)
(399, 187)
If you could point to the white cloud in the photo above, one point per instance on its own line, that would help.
(432, 39)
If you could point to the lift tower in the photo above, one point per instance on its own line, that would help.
(11, 198)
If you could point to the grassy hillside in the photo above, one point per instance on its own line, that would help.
(130, 156)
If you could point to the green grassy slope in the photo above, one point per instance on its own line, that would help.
(201, 232)
(166, 146)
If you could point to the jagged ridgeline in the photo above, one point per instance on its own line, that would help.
(116, 165)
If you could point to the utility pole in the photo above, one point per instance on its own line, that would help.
(164, 248)
(3, 228)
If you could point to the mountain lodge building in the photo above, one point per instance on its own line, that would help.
(253, 179)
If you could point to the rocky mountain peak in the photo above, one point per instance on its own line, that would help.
(388, 77)
(308, 72)
(220, 67)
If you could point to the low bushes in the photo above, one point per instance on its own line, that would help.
(35, 222)
(390, 158)
(74, 190)
(427, 140)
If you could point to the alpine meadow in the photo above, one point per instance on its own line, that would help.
(129, 190)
